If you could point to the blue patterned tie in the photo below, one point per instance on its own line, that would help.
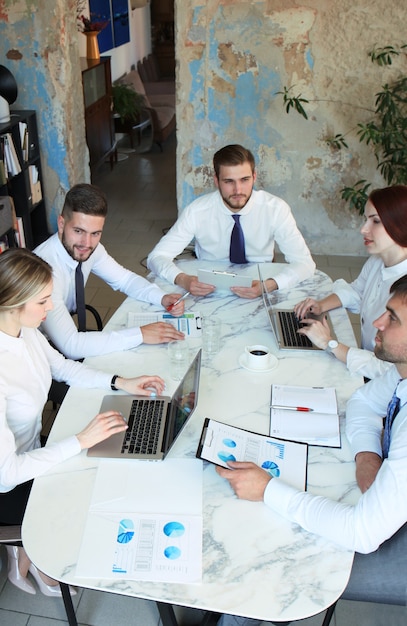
(392, 410)
(237, 251)
(80, 298)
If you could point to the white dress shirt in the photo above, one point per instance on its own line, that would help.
(382, 509)
(27, 364)
(368, 296)
(59, 325)
(265, 219)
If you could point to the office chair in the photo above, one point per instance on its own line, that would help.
(11, 536)
(361, 598)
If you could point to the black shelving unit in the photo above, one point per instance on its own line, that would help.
(31, 210)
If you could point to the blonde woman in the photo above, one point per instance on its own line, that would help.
(27, 365)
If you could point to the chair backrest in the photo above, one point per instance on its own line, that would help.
(10, 535)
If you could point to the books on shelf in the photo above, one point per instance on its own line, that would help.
(20, 233)
(35, 184)
(307, 414)
(220, 443)
(23, 128)
(8, 222)
(11, 163)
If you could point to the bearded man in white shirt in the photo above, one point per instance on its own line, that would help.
(376, 527)
(264, 219)
(80, 227)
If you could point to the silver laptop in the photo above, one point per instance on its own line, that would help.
(154, 423)
(285, 324)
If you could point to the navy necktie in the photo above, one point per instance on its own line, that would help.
(237, 251)
(392, 410)
(80, 298)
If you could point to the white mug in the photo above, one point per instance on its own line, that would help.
(258, 357)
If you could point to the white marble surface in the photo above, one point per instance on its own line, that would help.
(255, 562)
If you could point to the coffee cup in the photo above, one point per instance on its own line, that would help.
(259, 357)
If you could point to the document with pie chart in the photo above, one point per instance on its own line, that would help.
(144, 522)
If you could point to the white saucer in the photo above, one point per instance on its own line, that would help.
(243, 363)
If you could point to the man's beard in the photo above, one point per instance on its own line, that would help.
(71, 250)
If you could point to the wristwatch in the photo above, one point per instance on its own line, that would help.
(332, 345)
(113, 381)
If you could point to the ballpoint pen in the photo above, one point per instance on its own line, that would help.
(305, 409)
(171, 306)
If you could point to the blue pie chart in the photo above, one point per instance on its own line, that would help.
(174, 529)
(126, 531)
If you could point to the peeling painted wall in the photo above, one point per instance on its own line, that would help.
(233, 58)
(38, 44)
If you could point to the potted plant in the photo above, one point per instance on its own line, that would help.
(386, 132)
(127, 103)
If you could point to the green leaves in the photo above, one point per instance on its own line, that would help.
(293, 102)
(356, 195)
(383, 56)
(126, 101)
(337, 142)
(385, 132)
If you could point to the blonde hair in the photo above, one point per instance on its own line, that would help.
(23, 275)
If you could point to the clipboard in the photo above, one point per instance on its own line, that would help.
(189, 323)
(224, 280)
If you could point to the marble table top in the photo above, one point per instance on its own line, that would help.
(255, 563)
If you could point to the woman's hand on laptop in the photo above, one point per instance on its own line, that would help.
(142, 385)
(309, 305)
(100, 428)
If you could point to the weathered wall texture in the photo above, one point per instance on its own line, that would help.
(233, 58)
(38, 44)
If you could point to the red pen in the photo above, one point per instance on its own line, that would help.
(171, 306)
(305, 409)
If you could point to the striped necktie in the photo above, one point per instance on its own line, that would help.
(237, 251)
(80, 298)
(392, 410)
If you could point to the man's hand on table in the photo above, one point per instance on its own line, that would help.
(168, 301)
(367, 466)
(247, 480)
(191, 283)
(160, 332)
(255, 290)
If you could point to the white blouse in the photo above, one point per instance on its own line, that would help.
(368, 296)
(27, 365)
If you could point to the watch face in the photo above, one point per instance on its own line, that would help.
(332, 344)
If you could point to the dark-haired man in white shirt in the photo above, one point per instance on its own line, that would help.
(376, 527)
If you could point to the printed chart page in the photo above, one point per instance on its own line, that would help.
(221, 443)
(144, 522)
(189, 323)
(307, 414)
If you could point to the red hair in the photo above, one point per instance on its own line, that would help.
(391, 206)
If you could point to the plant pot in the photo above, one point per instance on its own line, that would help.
(92, 45)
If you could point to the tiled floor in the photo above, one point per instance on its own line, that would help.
(141, 191)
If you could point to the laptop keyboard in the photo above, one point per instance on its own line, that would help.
(289, 326)
(143, 430)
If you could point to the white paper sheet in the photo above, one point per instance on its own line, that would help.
(144, 522)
